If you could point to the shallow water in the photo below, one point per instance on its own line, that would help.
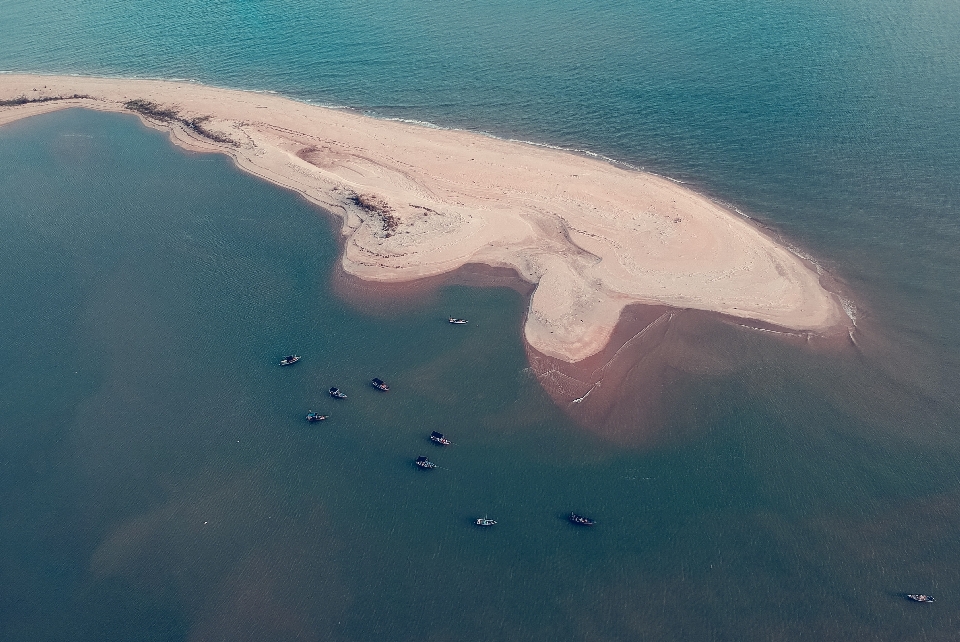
(778, 491)
(159, 481)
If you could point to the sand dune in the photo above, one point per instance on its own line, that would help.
(418, 201)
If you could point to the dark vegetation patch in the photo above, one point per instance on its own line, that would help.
(153, 110)
(380, 208)
(23, 100)
(170, 115)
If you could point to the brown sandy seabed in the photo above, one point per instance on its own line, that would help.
(612, 259)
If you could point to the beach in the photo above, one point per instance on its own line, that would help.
(418, 201)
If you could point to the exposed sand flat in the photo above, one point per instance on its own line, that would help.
(418, 201)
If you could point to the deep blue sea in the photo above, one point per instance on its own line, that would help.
(157, 481)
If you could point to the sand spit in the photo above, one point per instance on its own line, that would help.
(418, 202)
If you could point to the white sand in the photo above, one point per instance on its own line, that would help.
(592, 236)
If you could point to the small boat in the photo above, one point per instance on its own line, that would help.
(336, 394)
(920, 597)
(457, 321)
(438, 438)
(315, 416)
(483, 521)
(289, 360)
(425, 463)
(379, 384)
(580, 520)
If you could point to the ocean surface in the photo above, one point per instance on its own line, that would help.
(158, 482)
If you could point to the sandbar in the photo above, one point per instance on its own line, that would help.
(417, 201)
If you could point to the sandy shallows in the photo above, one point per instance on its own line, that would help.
(418, 201)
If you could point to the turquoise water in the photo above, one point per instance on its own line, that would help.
(158, 482)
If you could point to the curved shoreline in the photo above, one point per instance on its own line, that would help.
(418, 201)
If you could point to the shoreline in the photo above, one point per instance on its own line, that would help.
(417, 202)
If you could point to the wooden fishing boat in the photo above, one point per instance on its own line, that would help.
(580, 520)
(920, 597)
(425, 463)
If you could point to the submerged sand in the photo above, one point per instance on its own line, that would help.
(417, 201)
